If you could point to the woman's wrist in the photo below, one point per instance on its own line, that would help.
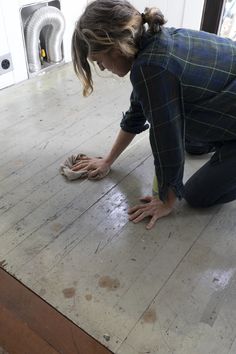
(171, 199)
(108, 160)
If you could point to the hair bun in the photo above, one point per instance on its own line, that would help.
(143, 18)
(154, 17)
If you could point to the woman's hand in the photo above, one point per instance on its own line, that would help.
(153, 208)
(97, 167)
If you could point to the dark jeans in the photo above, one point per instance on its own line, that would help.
(214, 182)
(198, 148)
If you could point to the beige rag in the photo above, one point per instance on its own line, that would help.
(66, 168)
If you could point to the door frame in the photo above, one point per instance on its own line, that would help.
(212, 15)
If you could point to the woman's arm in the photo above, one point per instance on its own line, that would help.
(133, 122)
(122, 141)
(159, 93)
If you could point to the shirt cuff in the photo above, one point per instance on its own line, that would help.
(178, 189)
(131, 126)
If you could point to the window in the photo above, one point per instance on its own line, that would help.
(219, 16)
(227, 27)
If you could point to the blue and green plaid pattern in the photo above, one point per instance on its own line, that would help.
(184, 85)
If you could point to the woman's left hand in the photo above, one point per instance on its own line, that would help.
(153, 207)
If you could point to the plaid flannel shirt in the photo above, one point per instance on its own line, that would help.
(184, 85)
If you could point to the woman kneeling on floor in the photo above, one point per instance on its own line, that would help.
(184, 86)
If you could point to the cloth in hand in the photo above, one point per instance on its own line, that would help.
(66, 169)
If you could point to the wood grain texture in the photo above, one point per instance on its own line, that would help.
(29, 325)
(168, 290)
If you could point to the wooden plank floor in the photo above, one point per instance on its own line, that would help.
(168, 290)
(29, 325)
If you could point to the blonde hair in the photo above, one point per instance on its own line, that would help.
(107, 25)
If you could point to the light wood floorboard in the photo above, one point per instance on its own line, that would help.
(168, 290)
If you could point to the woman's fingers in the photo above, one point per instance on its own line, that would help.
(135, 214)
(86, 158)
(152, 222)
(146, 199)
(153, 208)
(96, 167)
(140, 217)
(80, 166)
(135, 208)
(83, 165)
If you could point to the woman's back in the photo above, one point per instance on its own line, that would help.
(199, 59)
(204, 66)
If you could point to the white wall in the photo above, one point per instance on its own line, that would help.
(71, 9)
(178, 13)
(7, 78)
(12, 36)
(171, 9)
(192, 15)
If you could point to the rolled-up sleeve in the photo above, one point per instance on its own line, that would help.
(159, 94)
(134, 120)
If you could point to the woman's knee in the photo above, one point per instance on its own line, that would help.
(196, 198)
